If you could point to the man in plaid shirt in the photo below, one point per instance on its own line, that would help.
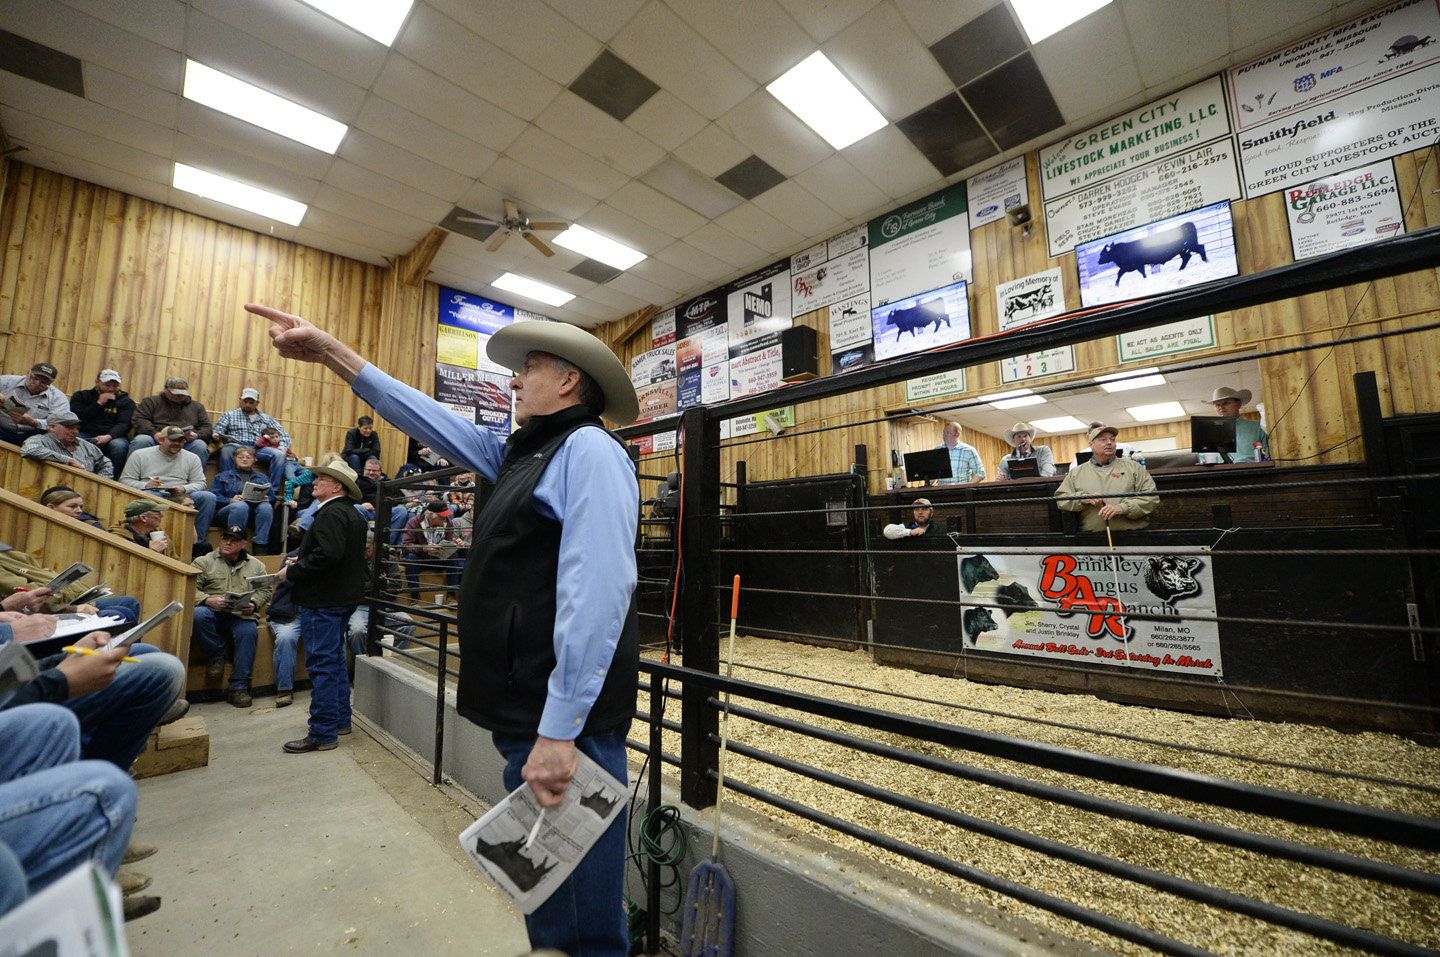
(243, 426)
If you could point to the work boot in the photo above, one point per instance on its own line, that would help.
(214, 670)
(239, 697)
(137, 852)
(131, 882)
(175, 712)
(283, 699)
(138, 907)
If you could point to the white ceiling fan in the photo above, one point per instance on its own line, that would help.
(515, 223)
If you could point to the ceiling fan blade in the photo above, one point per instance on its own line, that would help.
(551, 227)
(511, 210)
(497, 240)
(539, 244)
(477, 219)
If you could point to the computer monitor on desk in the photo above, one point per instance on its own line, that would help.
(1213, 433)
(928, 465)
(1024, 468)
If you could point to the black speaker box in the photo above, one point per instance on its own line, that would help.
(799, 354)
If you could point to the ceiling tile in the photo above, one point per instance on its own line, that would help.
(304, 33)
(539, 150)
(225, 161)
(94, 41)
(1089, 65)
(656, 209)
(613, 86)
(41, 64)
(684, 185)
(317, 239)
(1164, 51)
(460, 221)
(881, 55)
(698, 263)
(663, 274)
(160, 21)
(892, 162)
(387, 191)
(665, 121)
(364, 210)
(822, 19)
(649, 292)
(758, 36)
(935, 19)
(131, 171)
(947, 135)
(726, 246)
(712, 151)
(529, 30)
(78, 114)
(760, 229)
(798, 209)
(582, 312)
(602, 19)
(1275, 23)
(408, 130)
(130, 96)
(333, 224)
(586, 128)
(228, 216)
(614, 298)
(773, 133)
(841, 187)
(610, 222)
(1276, 39)
(407, 84)
(660, 45)
(473, 63)
(1013, 103)
(378, 156)
(535, 191)
(980, 45)
(41, 133)
(239, 137)
(750, 177)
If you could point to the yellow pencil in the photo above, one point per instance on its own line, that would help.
(75, 650)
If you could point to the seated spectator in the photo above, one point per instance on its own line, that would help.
(361, 444)
(142, 522)
(272, 439)
(461, 497)
(400, 623)
(106, 413)
(62, 443)
(429, 543)
(28, 401)
(284, 622)
(229, 491)
(171, 470)
(19, 571)
(173, 406)
(1019, 439)
(67, 501)
(1115, 492)
(1228, 402)
(422, 457)
(369, 483)
(217, 617)
(921, 526)
(244, 426)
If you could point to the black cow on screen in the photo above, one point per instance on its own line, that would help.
(976, 622)
(1153, 250)
(918, 316)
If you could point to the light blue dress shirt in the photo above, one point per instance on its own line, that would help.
(965, 464)
(590, 488)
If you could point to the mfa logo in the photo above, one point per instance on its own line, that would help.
(1305, 84)
(699, 308)
(891, 227)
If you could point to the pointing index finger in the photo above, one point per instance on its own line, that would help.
(283, 319)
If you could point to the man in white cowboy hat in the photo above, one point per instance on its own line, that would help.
(1019, 438)
(329, 575)
(1228, 402)
(548, 630)
(1113, 491)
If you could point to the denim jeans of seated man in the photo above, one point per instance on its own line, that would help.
(324, 632)
(400, 624)
(287, 651)
(211, 630)
(585, 917)
(56, 810)
(258, 515)
(116, 450)
(119, 606)
(200, 447)
(116, 721)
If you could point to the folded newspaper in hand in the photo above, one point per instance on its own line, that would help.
(13, 404)
(101, 590)
(69, 577)
(260, 581)
(238, 597)
(255, 492)
(127, 638)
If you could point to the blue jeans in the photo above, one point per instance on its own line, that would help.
(115, 722)
(416, 564)
(256, 514)
(287, 640)
(307, 515)
(57, 811)
(200, 447)
(585, 917)
(324, 632)
(205, 506)
(116, 450)
(120, 605)
(209, 625)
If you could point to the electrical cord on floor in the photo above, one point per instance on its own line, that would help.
(665, 848)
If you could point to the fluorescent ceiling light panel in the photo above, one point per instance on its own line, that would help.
(589, 243)
(531, 289)
(1160, 411)
(1135, 379)
(1017, 399)
(223, 92)
(378, 19)
(1059, 424)
(827, 102)
(1041, 18)
(228, 191)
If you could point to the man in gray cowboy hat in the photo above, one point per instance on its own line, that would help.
(548, 630)
(1228, 402)
(1019, 438)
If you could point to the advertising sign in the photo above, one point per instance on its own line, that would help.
(478, 396)
(1030, 298)
(757, 371)
(1072, 605)
(920, 247)
(993, 193)
(750, 424)
(654, 366)
(662, 329)
(466, 381)
(1344, 211)
(656, 400)
(1187, 335)
(698, 314)
(934, 386)
(759, 310)
(835, 280)
(850, 323)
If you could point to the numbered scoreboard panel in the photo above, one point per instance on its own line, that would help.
(1035, 365)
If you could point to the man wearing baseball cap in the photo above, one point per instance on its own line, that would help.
(173, 406)
(922, 526)
(548, 629)
(1228, 402)
(105, 414)
(171, 470)
(62, 443)
(223, 573)
(142, 520)
(27, 402)
(243, 426)
(1108, 491)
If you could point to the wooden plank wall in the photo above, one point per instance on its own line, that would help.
(1319, 414)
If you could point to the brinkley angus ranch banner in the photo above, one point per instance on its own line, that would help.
(1078, 605)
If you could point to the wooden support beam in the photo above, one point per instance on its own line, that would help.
(634, 323)
(414, 266)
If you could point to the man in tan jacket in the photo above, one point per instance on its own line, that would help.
(224, 572)
(1117, 492)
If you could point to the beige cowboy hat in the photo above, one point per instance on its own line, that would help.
(1225, 392)
(514, 342)
(1020, 427)
(341, 473)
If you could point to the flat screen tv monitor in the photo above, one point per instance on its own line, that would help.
(920, 323)
(1178, 251)
(927, 466)
(1024, 468)
(1213, 433)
